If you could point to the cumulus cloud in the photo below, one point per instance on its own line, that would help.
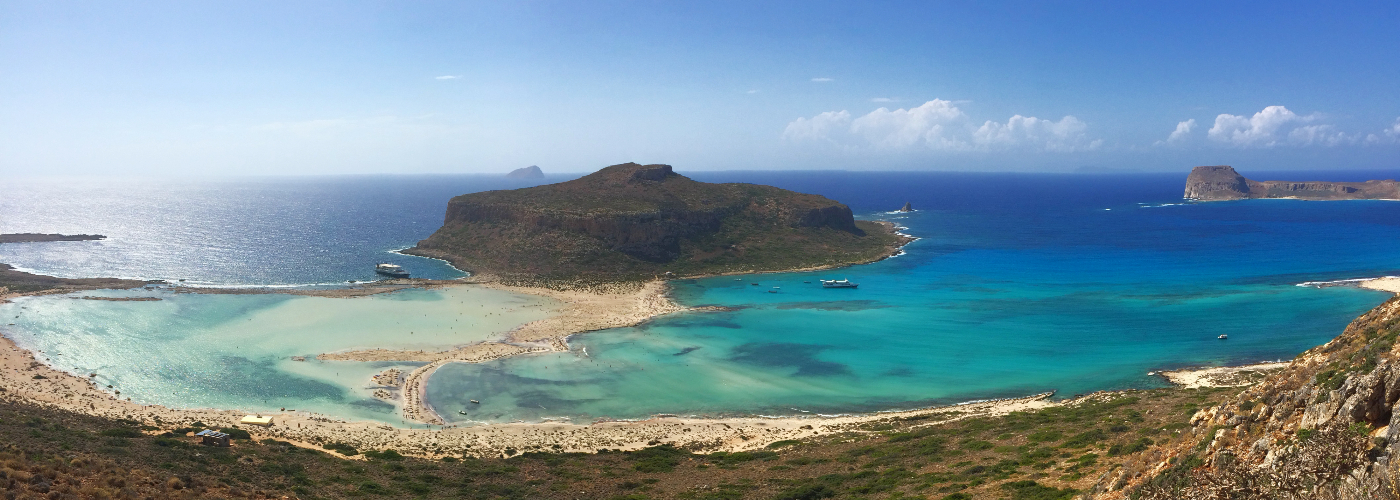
(939, 125)
(822, 79)
(449, 77)
(1388, 136)
(1276, 126)
(1183, 131)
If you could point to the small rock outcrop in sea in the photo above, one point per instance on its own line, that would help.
(530, 172)
(631, 221)
(908, 207)
(36, 237)
(1222, 182)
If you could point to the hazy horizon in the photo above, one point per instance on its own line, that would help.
(168, 89)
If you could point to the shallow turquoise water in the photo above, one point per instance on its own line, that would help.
(969, 314)
(235, 351)
(1021, 283)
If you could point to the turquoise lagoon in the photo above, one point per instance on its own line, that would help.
(1021, 283)
(191, 350)
(967, 325)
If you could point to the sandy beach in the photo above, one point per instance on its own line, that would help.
(1222, 376)
(1385, 284)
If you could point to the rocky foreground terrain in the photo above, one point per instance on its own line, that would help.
(636, 222)
(1324, 427)
(1218, 183)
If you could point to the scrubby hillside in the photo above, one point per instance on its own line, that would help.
(1050, 454)
(1325, 427)
(635, 221)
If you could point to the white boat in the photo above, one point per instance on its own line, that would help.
(839, 284)
(392, 270)
(1223, 337)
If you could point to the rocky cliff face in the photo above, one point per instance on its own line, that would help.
(631, 220)
(1216, 183)
(1222, 182)
(1340, 400)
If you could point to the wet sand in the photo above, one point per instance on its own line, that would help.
(586, 309)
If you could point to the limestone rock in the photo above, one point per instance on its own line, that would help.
(1221, 182)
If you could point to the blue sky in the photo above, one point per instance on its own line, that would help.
(196, 88)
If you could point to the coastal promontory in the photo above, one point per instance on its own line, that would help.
(630, 221)
(1221, 182)
(40, 238)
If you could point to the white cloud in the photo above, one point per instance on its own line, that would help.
(822, 79)
(1065, 135)
(1183, 130)
(939, 125)
(884, 99)
(1390, 135)
(449, 77)
(821, 128)
(1276, 126)
(753, 92)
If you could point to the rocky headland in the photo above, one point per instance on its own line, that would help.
(1222, 182)
(633, 222)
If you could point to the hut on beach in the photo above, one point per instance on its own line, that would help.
(212, 437)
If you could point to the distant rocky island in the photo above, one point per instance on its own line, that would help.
(632, 222)
(1221, 182)
(530, 172)
(37, 237)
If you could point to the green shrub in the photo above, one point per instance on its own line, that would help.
(343, 449)
(662, 458)
(1031, 490)
(236, 433)
(974, 444)
(390, 455)
(122, 432)
(807, 492)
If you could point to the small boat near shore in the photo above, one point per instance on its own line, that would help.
(391, 270)
(842, 283)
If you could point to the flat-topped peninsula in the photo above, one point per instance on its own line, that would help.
(1222, 182)
(634, 222)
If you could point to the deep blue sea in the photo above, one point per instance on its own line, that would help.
(1019, 283)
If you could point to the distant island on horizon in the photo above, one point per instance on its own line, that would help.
(631, 222)
(1222, 182)
(530, 172)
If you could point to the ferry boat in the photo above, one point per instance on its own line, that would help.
(839, 284)
(391, 270)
